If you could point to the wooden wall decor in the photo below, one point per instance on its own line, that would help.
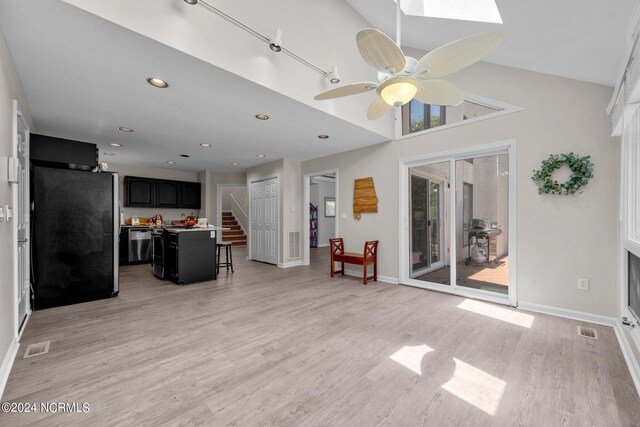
(364, 197)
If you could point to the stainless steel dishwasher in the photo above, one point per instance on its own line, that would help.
(139, 245)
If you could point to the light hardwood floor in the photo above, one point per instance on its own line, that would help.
(289, 347)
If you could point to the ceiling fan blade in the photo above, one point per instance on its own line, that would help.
(346, 90)
(380, 51)
(377, 109)
(457, 55)
(439, 92)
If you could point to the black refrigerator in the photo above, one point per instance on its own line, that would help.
(75, 220)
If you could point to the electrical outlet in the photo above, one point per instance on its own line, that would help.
(583, 284)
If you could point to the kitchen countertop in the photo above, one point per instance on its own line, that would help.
(190, 230)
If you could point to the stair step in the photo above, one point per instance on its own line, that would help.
(233, 233)
(227, 213)
(239, 243)
(235, 238)
(229, 222)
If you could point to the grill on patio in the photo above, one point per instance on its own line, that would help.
(482, 237)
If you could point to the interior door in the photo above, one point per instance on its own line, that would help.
(22, 223)
(264, 221)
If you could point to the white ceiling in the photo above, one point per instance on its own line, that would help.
(84, 77)
(579, 39)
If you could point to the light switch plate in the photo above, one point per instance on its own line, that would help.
(343, 215)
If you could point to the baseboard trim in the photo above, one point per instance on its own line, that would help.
(7, 364)
(627, 352)
(385, 279)
(616, 324)
(569, 314)
(289, 264)
(323, 245)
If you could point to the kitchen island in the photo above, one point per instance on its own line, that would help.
(185, 255)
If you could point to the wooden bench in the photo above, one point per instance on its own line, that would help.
(369, 256)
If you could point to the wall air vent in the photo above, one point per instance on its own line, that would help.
(294, 245)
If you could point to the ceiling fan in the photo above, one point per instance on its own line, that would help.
(403, 78)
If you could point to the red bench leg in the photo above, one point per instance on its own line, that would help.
(364, 277)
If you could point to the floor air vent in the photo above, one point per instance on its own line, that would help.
(37, 349)
(587, 332)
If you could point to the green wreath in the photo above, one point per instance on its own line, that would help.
(581, 172)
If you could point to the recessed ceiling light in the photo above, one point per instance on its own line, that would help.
(124, 129)
(171, 163)
(156, 82)
(235, 164)
(205, 145)
(261, 156)
(323, 136)
(113, 144)
(184, 155)
(262, 116)
(106, 153)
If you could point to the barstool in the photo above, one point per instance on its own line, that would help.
(228, 256)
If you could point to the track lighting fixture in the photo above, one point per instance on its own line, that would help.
(275, 42)
(334, 77)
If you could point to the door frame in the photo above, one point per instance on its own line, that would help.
(218, 212)
(306, 185)
(250, 216)
(17, 115)
(443, 232)
(500, 147)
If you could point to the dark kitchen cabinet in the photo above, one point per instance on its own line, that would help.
(168, 194)
(190, 195)
(161, 193)
(139, 192)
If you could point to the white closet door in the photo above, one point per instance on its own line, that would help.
(264, 221)
(271, 221)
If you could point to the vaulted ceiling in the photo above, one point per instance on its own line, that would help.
(84, 71)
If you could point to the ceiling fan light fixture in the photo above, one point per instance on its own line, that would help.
(191, 2)
(398, 90)
(334, 77)
(275, 42)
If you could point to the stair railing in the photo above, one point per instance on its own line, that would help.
(239, 213)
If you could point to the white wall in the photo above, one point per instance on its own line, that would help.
(10, 89)
(559, 238)
(239, 192)
(159, 173)
(326, 226)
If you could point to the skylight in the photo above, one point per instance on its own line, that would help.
(463, 10)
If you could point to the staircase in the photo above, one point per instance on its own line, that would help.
(235, 235)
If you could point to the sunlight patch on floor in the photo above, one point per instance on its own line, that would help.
(499, 313)
(411, 357)
(476, 387)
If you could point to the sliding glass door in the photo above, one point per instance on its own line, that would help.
(427, 205)
(458, 221)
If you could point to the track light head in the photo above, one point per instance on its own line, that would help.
(191, 2)
(334, 77)
(275, 42)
